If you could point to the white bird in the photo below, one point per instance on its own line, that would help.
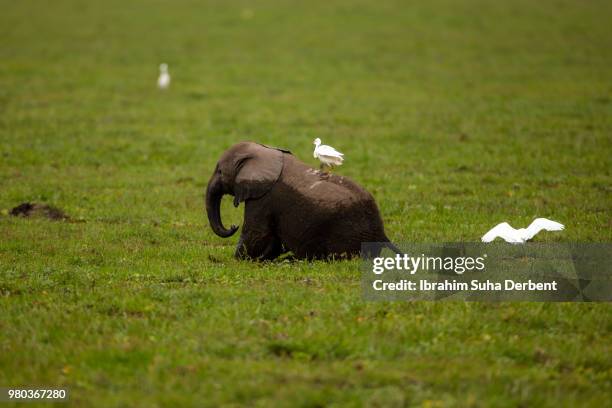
(163, 81)
(327, 155)
(520, 236)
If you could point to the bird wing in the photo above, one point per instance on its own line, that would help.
(503, 231)
(326, 150)
(335, 160)
(163, 80)
(540, 224)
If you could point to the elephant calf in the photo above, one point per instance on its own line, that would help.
(290, 206)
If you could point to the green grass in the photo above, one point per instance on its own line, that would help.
(454, 114)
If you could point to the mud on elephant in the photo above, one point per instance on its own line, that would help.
(289, 206)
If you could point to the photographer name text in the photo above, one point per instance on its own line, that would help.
(454, 286)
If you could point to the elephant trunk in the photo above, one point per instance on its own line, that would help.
(214, 194)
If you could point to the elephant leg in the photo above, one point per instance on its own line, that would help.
(258, 240)
(272, 250)
(258, 247)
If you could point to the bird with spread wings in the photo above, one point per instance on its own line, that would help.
(521, 235)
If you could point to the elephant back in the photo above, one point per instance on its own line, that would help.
(327, 190)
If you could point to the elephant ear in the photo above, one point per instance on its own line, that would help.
(258, 169)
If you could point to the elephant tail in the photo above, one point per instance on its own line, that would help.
(393, 248)
(376, 248)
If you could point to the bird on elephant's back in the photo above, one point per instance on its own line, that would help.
(289, 206)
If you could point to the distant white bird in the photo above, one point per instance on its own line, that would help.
(520, 236)
(327, 155)
(163, 81)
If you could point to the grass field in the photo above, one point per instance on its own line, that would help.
(456, 115)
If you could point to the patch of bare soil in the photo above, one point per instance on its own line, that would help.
(38, 210)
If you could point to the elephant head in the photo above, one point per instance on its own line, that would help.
(246, 171)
